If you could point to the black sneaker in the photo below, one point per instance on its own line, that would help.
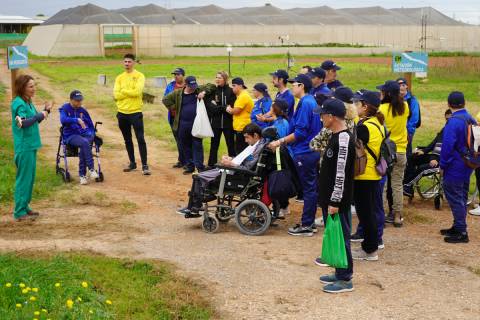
(459, 237)
(299, 230)
(183, 211)
(130, 167)
(448, 232)
(177, 165)
(314, 228)
(145, 170)
(188, 171)
(390, 218)
(191, 214)
(356, 238)
(408, 191)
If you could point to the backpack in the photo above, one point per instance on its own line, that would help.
(419, 122)
(471, 153)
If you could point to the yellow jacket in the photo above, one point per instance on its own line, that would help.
(397, 126)
(245, 102)
(375, 138)
(128, 92)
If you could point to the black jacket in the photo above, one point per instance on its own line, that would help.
(336, 172)
(216, 107)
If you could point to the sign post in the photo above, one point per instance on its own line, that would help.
(17, 58)
(408, 63)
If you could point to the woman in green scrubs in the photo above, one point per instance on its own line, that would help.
(26, 140)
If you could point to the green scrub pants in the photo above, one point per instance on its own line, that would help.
(26, 162)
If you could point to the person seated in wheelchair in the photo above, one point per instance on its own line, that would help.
(246, 160)
(423, 158)
(79, 132)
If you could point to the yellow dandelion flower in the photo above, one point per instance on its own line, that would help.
(57, 285)
(44, 310)
(28, 289)
(108, 302)
(8, 285)
(32, 298)
(35, 318)
(37, 313)
(90, 311)
(24, 291)
(22, 285)
(69, 304)
(18, 305)
(85, 284)
(79, 299)
(35, 289)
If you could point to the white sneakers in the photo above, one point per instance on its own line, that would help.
(362, 255)
(93, 175)
(475, 212)
(283, 212)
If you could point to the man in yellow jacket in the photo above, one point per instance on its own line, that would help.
(128, 93)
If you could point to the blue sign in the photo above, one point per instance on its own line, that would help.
(17, 57)
(410, 62)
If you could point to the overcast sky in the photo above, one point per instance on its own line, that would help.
(465, 10)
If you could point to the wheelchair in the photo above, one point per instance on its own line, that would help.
(428, 185)
(66, 151)
(238, 195)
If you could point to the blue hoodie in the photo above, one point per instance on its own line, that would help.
(414, 107)
(262, 106)
(69, 118)
(454, 141)
(305, 125)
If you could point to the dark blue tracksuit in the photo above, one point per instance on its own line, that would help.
(169, 89)
(75, 135)
(287, 96)
(305, 125)
(191, 147)
(456, 175)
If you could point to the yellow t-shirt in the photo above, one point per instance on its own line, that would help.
(244, 102)
(128, 92)
(397, 126)
(375, 138)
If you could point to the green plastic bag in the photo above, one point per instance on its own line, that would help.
(333, 247)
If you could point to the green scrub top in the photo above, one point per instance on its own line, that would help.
(24, 139)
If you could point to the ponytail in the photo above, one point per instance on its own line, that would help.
(396, 103)
(373, 111)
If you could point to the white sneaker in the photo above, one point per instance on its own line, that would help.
(475, 212)
(93, 173)
(283, 212)
(353, 210)
(362, 255)
(83, 180)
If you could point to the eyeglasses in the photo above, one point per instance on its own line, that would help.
(297, 84)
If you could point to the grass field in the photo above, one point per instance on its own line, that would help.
(83, 286)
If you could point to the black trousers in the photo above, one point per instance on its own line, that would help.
(240, 143)
(215, 143)
(364, 197)
(125, 123)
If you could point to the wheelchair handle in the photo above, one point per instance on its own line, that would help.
(98, 122)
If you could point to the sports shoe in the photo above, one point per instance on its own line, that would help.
(339, 287)
(475, 212)
(188, 171)
(389, 218)
(314, 228)
(299, 230)
(83, 180)
(93, 174)
(192, 214)
(183, 211)
(381, 245)
(362, 255)
(328, 279)
(26, 217)
(130, 167)
(460, 237)
(319, 262)
(145, 170)
(319, 222)
(448, 232)
(177, 165)
(33, 214)
(408, 191)
(283, 212)
(356, 237)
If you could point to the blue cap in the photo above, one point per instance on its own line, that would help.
(402, 80)
(370, 97)
(191, 82)
(390, 86)
(76, 95)
(303, 79)
(239, 82)
(344, 93)
(280, 74)
(261, 87)
(282, 104)
(329, 65)
(179, 71)
(335, 107)
(317, 72)
(456, 99)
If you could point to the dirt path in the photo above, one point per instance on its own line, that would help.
(269, 277)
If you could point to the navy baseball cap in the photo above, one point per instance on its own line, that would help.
(344, 93)
(335, 107)
(76, 95)
(191, 81)
(317, 72)
(179, 71)
(239, 82)
(280, 74)
(329, 65)
(282, 104)
(390, 86)
(370, 97)
(402, 81)
(303, 79)
(456, 99)
(261, 87)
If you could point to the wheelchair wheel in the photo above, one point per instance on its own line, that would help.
(100, 177)
(65, 175)
(428, 187)
(253, 217)
(210, 224)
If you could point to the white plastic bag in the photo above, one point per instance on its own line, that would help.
(201, 125)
